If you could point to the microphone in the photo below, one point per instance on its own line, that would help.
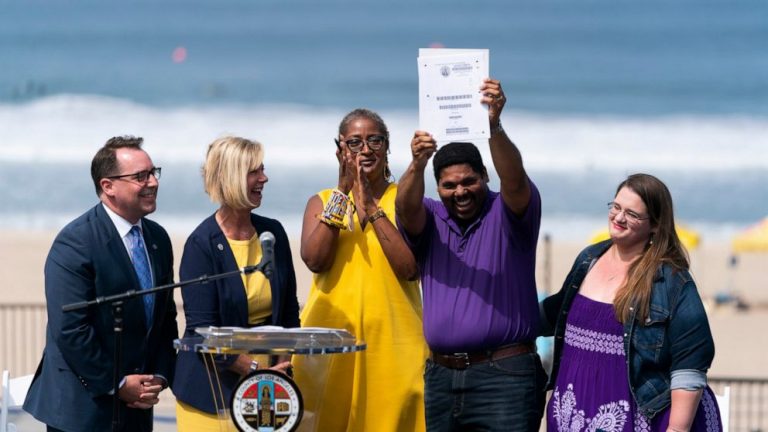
(266, 265)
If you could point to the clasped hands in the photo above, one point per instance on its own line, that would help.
(141, 391)
(351, 175)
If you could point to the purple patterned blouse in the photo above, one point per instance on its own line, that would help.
(592, 391)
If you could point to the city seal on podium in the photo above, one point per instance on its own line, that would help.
(267, 401)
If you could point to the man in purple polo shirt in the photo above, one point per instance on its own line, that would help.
(476, 249)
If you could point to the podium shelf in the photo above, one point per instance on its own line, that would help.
(270, 340)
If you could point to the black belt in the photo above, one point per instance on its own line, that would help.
(463, 360)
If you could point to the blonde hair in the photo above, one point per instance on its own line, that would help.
(227, 164)
(664, 247)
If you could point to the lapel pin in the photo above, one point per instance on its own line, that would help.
(221, 247)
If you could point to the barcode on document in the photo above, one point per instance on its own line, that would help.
(454, 97)
(460, 130)
(455, 106)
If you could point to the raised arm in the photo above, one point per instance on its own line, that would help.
(409, 204)
(515, 190)
(319, 240)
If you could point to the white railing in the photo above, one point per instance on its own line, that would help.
(22, 336)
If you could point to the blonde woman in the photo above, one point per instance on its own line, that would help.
(234, 177)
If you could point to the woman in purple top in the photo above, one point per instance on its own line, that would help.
(632, 341)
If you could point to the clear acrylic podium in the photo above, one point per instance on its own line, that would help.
(316, 342)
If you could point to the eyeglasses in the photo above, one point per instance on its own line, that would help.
(141, 176)
(355, 145)
(632, 217)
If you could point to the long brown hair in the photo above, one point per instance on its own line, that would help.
(663, 247)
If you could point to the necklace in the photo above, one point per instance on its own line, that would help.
(613, 267)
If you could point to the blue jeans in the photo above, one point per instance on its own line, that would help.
(503, 395)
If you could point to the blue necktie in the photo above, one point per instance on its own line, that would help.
(141, 265)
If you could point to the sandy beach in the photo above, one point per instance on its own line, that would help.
(739, 337)
(741, 343)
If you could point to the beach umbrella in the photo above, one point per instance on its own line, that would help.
(753, 239)
(688, 237)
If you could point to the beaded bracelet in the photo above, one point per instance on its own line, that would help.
(335, 209)
(378, 214)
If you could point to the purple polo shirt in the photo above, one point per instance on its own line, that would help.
(479, 286)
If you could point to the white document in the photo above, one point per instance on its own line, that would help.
(450, 105)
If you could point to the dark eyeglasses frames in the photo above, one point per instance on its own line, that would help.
(355, 145)
(141, 176)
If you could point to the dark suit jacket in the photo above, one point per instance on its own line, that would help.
(223, 303)
(72, 385)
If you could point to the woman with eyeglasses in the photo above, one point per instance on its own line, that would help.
(365, 282)
(632, 340)
(234, 177)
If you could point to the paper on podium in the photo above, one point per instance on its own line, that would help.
(450, 106)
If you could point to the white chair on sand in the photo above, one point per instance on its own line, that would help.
(724, 403)
(14, 392)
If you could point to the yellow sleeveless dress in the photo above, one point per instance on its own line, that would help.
(381, 388)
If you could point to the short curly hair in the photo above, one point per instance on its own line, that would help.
(363, 113)
(372, 116)
(456, 153)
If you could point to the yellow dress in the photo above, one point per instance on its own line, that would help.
(381, 388)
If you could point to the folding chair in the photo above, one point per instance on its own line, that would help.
(13, 393)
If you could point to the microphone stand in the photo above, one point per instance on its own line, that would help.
(116, 302)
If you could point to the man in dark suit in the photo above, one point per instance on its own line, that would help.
(108, 250)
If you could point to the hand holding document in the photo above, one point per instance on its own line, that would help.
(450, 105)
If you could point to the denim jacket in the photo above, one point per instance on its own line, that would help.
(671, 349)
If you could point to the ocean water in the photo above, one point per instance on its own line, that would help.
(596, 90)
